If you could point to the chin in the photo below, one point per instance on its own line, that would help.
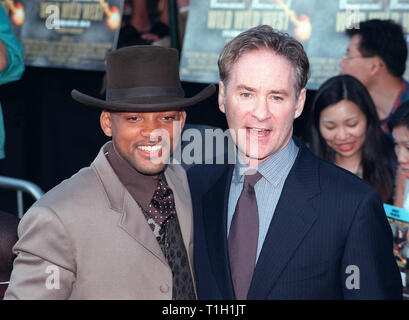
(348, 154)
(255, 157)
(149, 168)
(152, 172)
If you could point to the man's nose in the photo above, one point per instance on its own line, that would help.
(150, 130)
(261, 111)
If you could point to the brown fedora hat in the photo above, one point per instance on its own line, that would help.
(143, 78)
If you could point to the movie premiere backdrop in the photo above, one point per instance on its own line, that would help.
(318, 24)
(73, 34)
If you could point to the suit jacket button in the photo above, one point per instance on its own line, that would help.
(164, 288)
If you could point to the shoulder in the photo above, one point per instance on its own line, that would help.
(332, 176)
(316, 176)
(71, 195)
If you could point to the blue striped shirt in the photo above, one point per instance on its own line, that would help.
(268, 189)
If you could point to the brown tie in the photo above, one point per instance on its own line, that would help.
(162, 206)
(243, 237)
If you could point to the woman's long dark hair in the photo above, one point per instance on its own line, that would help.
(377, 151)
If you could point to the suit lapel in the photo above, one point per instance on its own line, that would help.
(131, 217)
(134, 223)
(215, 203)
(292, 220)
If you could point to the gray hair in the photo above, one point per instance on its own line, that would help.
(265, 37)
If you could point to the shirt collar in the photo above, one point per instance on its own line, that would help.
(140, 186)
(273, 169)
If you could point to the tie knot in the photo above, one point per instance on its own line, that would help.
(162, 206)
(162, 191)
(251, 177)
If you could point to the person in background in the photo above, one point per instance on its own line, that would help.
(399, 126)
(144, 22)
(376, 56)
(345, 130)
(11, 64)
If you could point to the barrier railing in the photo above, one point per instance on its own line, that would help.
(20, 186)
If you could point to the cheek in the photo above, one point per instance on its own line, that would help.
(234, 118)
(360, 132)
(327, 135)
(126, 138)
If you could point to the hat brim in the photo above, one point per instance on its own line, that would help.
(144, 104)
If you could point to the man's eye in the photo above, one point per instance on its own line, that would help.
(132, 118)
(167, 118)
(245, 94)
(277, 98)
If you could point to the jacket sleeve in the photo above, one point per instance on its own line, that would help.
(369, 269)
(45, 264)
(14, 49)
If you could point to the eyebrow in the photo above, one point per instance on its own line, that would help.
(273, 91)
(348, 119)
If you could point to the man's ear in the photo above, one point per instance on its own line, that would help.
(105, 121)
(182, 119)
(300, 103)
(376, 64)
(221, 97)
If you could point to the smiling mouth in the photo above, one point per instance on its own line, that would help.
(150, 151)
(155, 148)
(258, 132)
(345, 146)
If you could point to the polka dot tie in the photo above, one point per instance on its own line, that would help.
(162, 206)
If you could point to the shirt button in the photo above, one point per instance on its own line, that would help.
(164, 288)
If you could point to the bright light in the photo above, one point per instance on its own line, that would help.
(113, 18)
(303, 28)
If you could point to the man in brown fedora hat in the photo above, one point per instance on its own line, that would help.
(121, 228)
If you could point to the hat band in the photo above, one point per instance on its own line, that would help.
(143, 92)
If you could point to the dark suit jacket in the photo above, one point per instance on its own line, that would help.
(326, 220)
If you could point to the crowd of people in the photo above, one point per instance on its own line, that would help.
(286, 220)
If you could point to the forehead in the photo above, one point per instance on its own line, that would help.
(263, 67)
(400, 133)
(341, 110)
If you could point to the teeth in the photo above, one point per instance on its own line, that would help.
(149, 148)
(258, 129)
(260, 132)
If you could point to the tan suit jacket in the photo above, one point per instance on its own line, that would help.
(88, 239)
